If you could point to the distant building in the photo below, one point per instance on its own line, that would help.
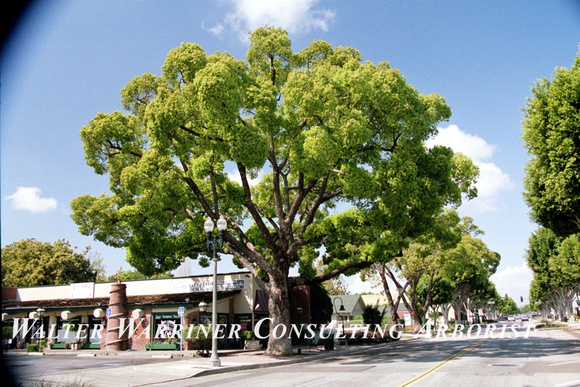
(354, 305)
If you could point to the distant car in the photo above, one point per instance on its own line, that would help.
(503, 318)
(511, 318)
(525, 317)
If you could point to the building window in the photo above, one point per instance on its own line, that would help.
(165, 326)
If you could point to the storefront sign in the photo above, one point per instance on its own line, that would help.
(82, 290)
(221, 286)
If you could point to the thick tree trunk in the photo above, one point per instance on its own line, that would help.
(279, 343)
(416, 318)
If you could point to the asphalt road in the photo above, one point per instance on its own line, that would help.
(544, 358)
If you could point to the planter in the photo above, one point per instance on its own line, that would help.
(162, 346)
(252, 344)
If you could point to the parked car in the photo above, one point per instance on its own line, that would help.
(511, 318)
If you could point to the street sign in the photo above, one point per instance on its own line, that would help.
(109, 312)
(180, 313)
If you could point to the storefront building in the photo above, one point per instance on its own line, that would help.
(139, 314)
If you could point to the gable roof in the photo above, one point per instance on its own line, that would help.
(350, 302)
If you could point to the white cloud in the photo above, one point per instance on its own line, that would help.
(514, 281)
(492, 181)
(295, 16)
(216, 30)
(28, 198)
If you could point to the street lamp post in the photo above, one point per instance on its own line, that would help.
(340, 312)
(39, 332)
(212, 243)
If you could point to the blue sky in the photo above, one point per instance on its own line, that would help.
(68, 60)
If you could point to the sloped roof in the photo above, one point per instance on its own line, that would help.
(349, 301)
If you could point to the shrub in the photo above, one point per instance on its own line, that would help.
(39, 347)
(248, 335)
(372, 315)
(7, 332)
(198, 338)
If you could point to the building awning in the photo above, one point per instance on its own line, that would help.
(133, 302)
(261, 302)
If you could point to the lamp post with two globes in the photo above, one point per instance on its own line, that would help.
(212, 243)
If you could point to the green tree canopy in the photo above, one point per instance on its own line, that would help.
(30, 262)
(551, 131)
(508, 306)
(318, 128)
(128, 275)
(555, 262)
(565, 265)
(469, 267)
(320, 305)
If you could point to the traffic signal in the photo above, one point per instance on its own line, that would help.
(521, 299)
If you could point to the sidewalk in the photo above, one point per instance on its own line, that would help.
(172, 366)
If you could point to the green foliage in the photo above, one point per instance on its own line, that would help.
(199, 337)
(320, 305)
(328, 126)
(550, 324)
(551, 131)
(7, 332)
(128, 275)
(508, 306)
(441, 293)
(565, 266)
(29, 262)
(372, 315)
(555, 262)
(37, 347)
(273, 143)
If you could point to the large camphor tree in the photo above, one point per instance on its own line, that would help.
(321, 130)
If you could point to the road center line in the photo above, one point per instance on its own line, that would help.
(436, 367)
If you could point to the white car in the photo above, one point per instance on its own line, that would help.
(511, 318)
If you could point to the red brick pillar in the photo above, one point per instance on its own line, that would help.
(117, 301)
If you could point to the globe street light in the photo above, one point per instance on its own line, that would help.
(212, 243)
(39, 332)
(340, 312)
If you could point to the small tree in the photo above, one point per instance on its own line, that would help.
(29, 262)
(372, 315)
(320, 305)
(508, 306)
